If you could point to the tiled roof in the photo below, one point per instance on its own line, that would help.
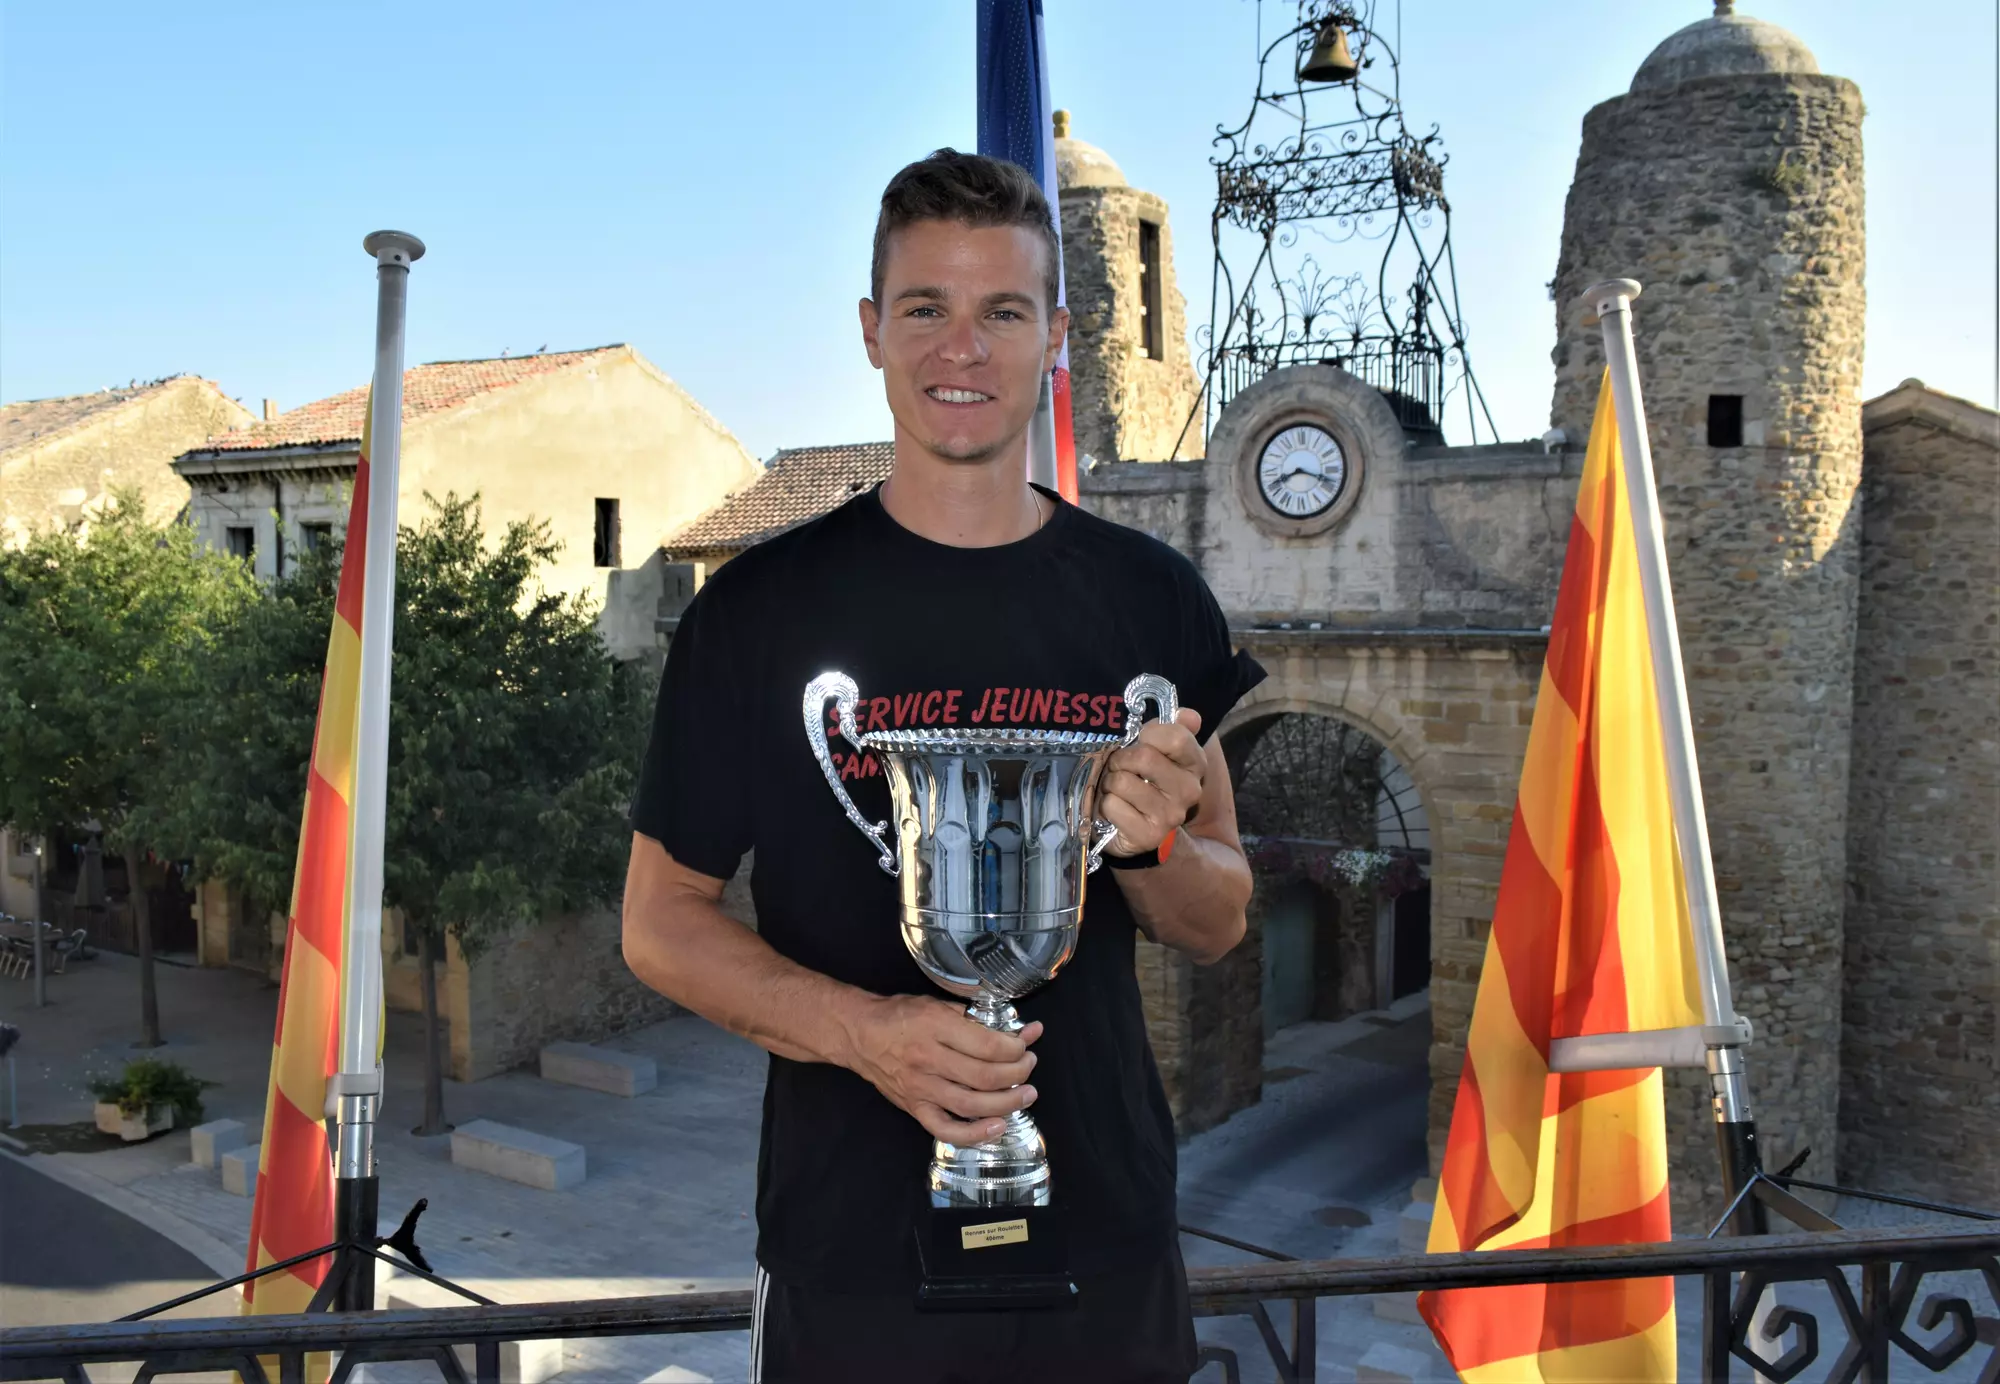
(35, 421)
(432, 388)
(799, 484)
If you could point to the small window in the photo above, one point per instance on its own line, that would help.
(242, 542)
(315, 536)
(604, 543)
(1725, 420)
(412, 941)
(1152, 341)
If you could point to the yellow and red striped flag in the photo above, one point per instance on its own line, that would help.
(1590, 935)
(294, 1207)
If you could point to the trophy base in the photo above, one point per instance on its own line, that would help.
(993, 1259)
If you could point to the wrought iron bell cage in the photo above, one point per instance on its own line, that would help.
(1332, 168)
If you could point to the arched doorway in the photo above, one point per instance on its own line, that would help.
(1340, 843)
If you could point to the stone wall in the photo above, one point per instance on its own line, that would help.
(1206, 1024)
(1920, 1056)
(1737, 202)
(564, 979)
(64, 478)
(1125, 406)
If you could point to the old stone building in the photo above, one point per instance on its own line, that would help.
(59, 458)
(1838, 589)
(1920, 993)
(615, 456)
(1728, 181)
(599, 443)
(1133, 393)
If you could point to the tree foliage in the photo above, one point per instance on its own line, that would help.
(104, 632)
(514, 735)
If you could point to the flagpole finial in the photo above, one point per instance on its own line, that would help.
(393, 247)
(1609, 296)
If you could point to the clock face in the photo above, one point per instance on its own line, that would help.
(1302, 471)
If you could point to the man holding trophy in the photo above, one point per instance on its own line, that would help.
(926, 712)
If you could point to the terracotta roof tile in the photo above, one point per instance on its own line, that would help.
(431, 388)
(34, 421)
(799, 483)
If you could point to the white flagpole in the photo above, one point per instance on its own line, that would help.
(1723, 1034)
(356, 1090)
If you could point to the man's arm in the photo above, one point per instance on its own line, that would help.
(1194, 900)
(953, 1075)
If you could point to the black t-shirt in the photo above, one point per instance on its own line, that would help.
(1042, 632)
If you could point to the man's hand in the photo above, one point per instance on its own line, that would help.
(954, 1075)
(1154, 784)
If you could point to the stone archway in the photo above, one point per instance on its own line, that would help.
(1453, 708)
(1338, 836)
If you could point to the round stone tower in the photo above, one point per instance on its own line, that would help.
(1132, 389)
(1728, 181)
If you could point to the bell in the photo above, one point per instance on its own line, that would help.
(1329, 61)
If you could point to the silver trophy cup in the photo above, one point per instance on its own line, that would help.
(996, 831)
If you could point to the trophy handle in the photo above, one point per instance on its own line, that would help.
(1166, 700)
(841, 688)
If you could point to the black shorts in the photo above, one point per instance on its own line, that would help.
(1129, 1328)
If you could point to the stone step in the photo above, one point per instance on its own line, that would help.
(1383, 1363)
(599, 1069)
(534, 1160)
(239, 1169)
(210, 1141)
(521, 1362)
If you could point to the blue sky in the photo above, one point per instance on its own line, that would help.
(185, 187)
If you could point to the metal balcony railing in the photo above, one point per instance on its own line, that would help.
(1889, 1320)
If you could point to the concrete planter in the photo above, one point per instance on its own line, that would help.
(133, 1128)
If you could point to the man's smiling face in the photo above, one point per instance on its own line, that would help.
(963, 335)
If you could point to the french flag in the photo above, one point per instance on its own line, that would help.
(1016, 124)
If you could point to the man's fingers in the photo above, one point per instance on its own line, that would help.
(974, 1039)
(1175, 739)
(973, 1105)
(975, 1075)
(942, 1126)
(1163, 802)
(1136, 831)
(1149, 762)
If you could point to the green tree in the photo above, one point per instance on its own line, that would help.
(103, 632)
(513, 737)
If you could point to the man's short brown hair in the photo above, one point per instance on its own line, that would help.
(973, 189)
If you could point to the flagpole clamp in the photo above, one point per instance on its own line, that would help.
(351, 1084)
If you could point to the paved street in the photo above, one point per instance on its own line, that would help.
(1321, 1168)
(667, 1200)
(67, 1258)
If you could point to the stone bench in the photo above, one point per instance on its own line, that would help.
(534, 1160)
(239, 1169)
(521, 1362)
(208, 1142)
(599, 1069)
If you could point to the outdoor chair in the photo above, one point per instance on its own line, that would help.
(17, 947)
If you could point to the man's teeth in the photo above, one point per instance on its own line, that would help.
(958, 396)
